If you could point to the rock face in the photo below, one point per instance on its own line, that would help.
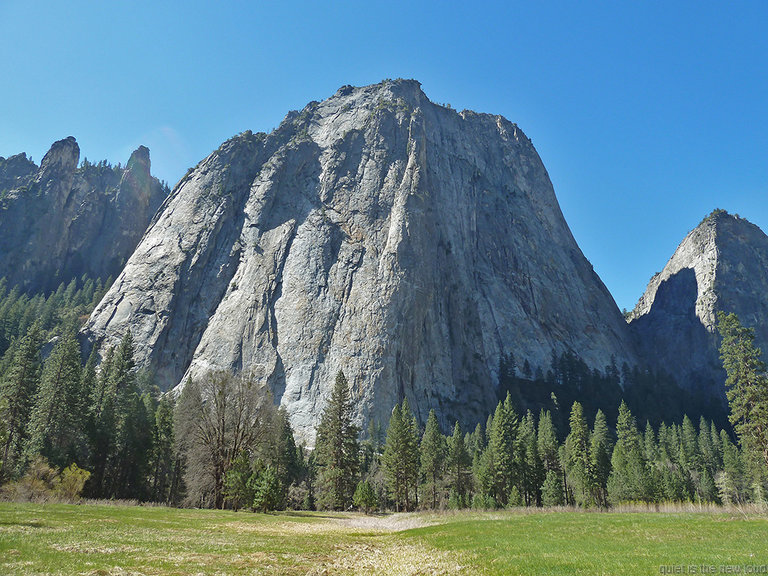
(721, 265)
(59, 221)
(375, 232)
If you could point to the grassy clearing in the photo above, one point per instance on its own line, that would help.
(569, 543)
(105, 540)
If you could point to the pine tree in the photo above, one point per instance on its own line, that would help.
(411, 455)
(547, 439)
(577, 463)
(55, 430)
(18, 389)
(502, 452)
(266, 487)
(530, 463)
(707, 451)
(690, 444)
(732, 475)
(747, 384)
(240, 483)
(600, 459)
(337, 449)
(162, 456)
(552, 493)
(392, 459)
(100, 425)
(459, 469)
(433, 456)
(365, 497)
(552, 489)
(629, 470)
(281, 454)
(401, 457)
(131, 436)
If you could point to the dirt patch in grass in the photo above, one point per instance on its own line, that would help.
(393, 558)
(386, 523)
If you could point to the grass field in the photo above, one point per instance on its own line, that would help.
(96, 540)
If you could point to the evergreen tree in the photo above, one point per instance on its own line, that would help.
(18, 389)
(412, 454)
(732, 475)
(577, 462)
(549, 449)
(690, 444)
(629, 470)
(600, 459)
(747, 384)
(401, 457)
(130, 437)
(240, 483)
(502, 451)
(267, 491)
(100, 425)
(278, 449)
(337, 450)
(552, 489)
(547, 440)
(459, 469)
(530, 464)
(162, 457)
(707, 451)
(433, 456)
(365, 497)
(55, 428)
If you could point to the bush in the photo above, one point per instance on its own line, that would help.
(71, 484)
(39, 483)
(43, 483)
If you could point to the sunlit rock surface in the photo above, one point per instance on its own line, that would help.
(375, 232)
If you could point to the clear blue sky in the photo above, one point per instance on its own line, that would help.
(647, 115)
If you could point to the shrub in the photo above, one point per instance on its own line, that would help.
(39, 483)
(72, 481)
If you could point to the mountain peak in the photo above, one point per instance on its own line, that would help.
(139, 158)
(721, 265)
(61, 158)
(373, 232)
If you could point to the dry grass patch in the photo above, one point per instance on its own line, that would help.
(390, 559)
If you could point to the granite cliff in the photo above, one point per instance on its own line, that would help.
(376, 232)
(59, 221)
(720, 265)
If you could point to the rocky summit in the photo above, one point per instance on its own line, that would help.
(403, 242)
(721, 265)
(59, 221)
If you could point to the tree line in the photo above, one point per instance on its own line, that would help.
(222, 443)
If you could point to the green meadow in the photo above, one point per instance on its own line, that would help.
(120, 540)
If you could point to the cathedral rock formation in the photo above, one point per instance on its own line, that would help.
(59, 221)
(376, 232)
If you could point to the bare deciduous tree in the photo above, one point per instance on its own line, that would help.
(217, 418)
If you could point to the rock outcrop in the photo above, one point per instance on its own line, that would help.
(59, 221)
(376, 232)
(721, 265)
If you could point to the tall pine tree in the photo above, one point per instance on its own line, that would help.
(56, 426)
(337, 450)
(19, 387)
(459, 469)
(629, 470)
(433, 454)
(747, 384)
